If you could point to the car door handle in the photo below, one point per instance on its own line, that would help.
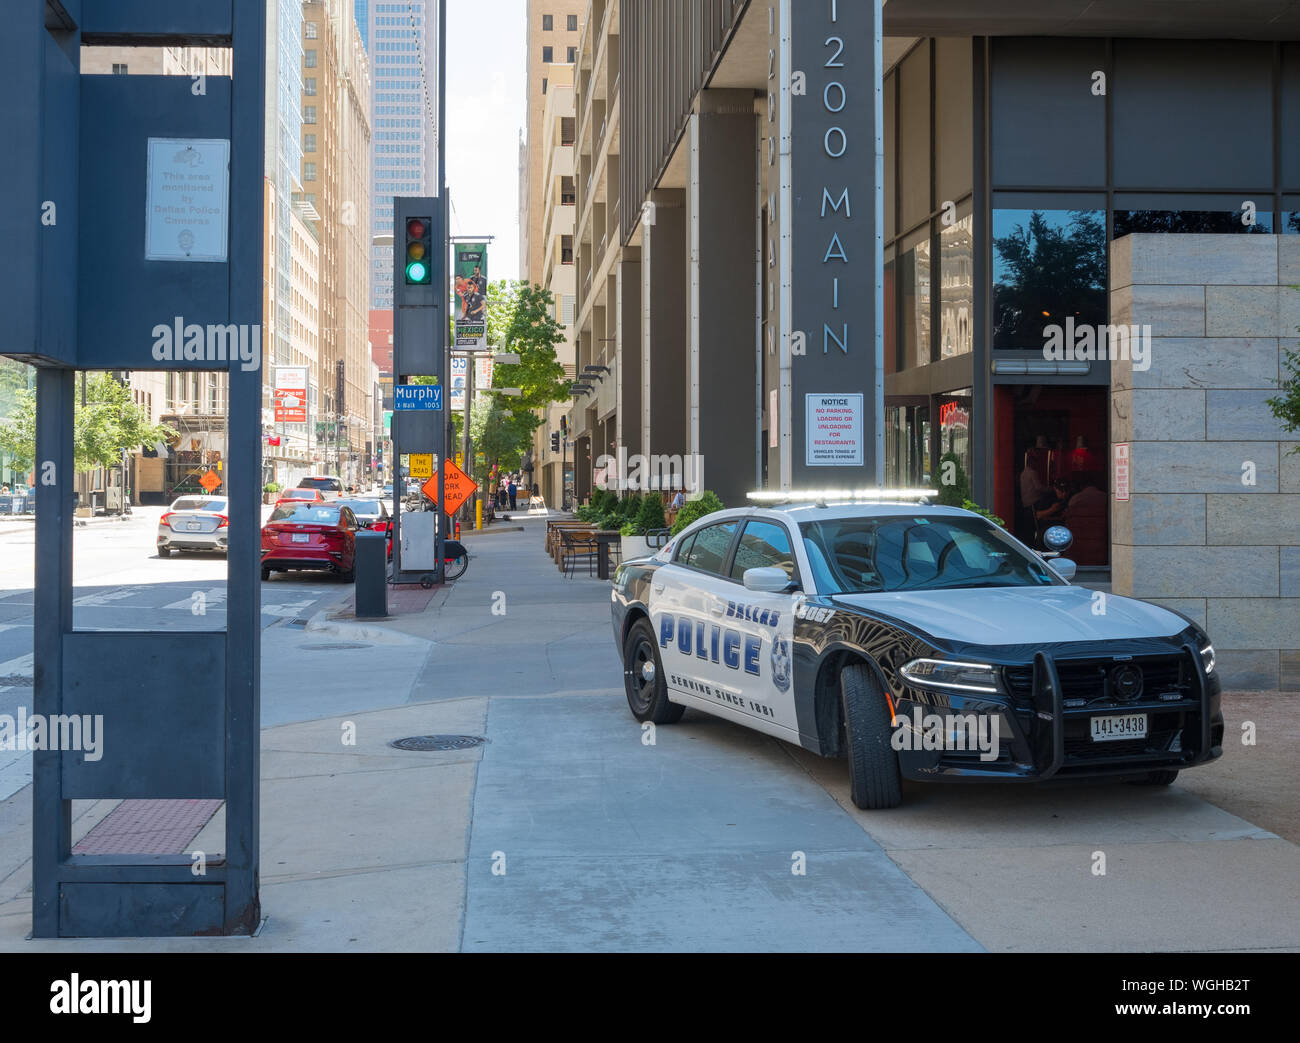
(658, 588)
(717, 606)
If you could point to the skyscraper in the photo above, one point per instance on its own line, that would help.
(402, 38)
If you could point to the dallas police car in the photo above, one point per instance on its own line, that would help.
(922, 642)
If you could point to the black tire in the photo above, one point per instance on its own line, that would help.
(266, 574)
(164, 552)
(454, 568)
(874, 779)
(350, 576)
(647, 697)
(1159, 777)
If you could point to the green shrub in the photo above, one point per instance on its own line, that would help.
(628, 529)
(629, 505)
(604, 500)
(974, 507)
(609, 520)
(650, 515)
(587, 513)
(272, 487)
(706, 503)
(955, 490)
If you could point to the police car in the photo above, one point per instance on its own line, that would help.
(918, 641)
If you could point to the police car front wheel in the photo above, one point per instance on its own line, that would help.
(643, 677)
(874, 780)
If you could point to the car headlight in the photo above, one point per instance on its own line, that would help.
(1207, 657)
(950, 674)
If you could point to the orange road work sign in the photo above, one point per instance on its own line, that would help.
(458, 486)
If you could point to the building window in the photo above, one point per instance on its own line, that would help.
(548, 54)
(571, 23)
(1048, 265)
(914, 279)
(566, 249)
(543, 84)
(309, 171)
(119, 69)
(1190, 215)
(548, 22)
(309, 113)
(309, 142)
(310, 30)
(309, 58)
(309, 85)
(572, 55)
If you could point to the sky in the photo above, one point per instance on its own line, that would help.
(486, 110)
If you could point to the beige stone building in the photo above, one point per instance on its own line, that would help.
(554, 29)
(557, 268)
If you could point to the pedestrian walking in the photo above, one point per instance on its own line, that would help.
(512, 491)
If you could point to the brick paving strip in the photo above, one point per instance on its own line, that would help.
(148, 827)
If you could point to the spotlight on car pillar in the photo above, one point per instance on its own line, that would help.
(1058, 538)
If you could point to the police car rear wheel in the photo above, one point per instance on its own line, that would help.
(874, 780)
(643, 678)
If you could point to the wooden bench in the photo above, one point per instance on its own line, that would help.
(578, 546)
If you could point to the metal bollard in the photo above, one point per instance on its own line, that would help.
(372, 575)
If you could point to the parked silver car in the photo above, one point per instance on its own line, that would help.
(197, 523)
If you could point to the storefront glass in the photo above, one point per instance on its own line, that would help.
(907, 445)
(956, 288)
(914, 277)
(955, 427)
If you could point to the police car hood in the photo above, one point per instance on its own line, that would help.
(1020, 615)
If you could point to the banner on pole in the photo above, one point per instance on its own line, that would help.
(471, 296)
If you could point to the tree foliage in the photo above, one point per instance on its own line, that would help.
(107, 424)
(1286, 406)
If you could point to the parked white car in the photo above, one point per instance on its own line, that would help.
(194, 523)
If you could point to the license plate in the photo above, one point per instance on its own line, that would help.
(193, 526)
(300, 537)
(1119, 726)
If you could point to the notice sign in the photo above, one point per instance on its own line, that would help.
(187, 199)
(834, 430)
(1121, 471)
(458, 486)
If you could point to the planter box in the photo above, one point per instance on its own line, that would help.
(84, 512)
(635, 547)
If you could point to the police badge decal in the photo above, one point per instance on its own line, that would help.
(781, 663)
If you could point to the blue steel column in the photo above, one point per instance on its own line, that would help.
(51, 814)
(244, 449)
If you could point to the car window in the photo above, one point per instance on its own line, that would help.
(198, 503)
(349, 519)
(363, 506)
(709, 549)
(763, 545)
(864, 555)
(332, 484)
(308, 513)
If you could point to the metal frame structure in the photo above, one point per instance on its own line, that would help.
(184, 721)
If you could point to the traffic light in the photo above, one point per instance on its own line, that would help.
(555, 441)
(419, 250)
(564, 427)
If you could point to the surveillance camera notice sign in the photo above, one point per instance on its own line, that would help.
(834, 430)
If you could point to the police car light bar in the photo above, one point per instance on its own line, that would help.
(840, 495)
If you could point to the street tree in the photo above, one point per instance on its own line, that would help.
(109, 423)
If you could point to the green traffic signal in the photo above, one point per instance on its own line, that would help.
(417, 272)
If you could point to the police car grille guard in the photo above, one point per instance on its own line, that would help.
(1047, 735)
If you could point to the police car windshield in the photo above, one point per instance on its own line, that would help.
(869, 555)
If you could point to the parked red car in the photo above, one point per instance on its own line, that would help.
(312, 536)
(301, 496)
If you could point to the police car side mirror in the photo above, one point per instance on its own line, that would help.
(1063, 567)
(769, 580)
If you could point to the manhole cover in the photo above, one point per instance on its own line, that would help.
(16, 681)
(436, 743)
(334, 646)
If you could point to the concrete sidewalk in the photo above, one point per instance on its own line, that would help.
(570, 830)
